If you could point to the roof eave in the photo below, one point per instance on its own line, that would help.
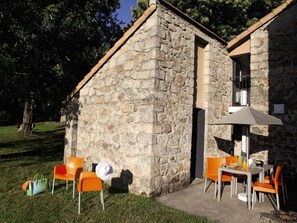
(113, 50)
(130, 32)
(193, 22)
(245, 35)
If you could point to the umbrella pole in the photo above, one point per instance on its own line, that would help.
(245, 141)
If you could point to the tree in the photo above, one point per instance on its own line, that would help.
(142, 5)
(47, 46)
(227, 18)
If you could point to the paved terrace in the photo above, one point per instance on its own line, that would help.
(229, 210)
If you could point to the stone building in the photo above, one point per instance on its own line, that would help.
(148, 105)
(265, 56)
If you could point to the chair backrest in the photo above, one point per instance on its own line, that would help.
(213, 164)
(231, 159)
(73, 164)
(276, 178)
(88, 181)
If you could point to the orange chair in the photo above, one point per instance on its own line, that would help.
(270, 188)
(70, 171)
(281, 182)
(229, 161)
(213, 165)
(88, 181)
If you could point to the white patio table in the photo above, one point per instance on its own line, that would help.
(249, 173)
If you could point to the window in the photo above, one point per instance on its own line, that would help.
(241, 81)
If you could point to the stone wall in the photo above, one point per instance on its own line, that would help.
(116, 110)
(173, 104)
(274, 79)
(219, 99)
(136, 111)
(71, 113)
(176, 58)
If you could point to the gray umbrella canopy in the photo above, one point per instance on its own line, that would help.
(248, 116)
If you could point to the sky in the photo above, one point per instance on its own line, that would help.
(125, 12)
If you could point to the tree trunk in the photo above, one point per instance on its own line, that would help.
(26, 126)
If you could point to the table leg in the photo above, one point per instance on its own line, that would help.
(261, 177)
(249, 180)
(219, 184)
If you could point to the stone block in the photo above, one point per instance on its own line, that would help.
(146, 74)
(144, 138)
(119, 68)
(148, 83)
(126, 108)
(167, 127)
(148, 65)
(151, 22)
(179, 80)
(129, 65)
(151, 42)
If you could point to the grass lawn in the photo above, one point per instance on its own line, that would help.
(22, 157)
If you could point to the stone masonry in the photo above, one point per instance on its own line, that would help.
(116, 110)
(172, 152)
(274, 79)
(136, 111)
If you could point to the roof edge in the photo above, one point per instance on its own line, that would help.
(245, 34)
(192, 21)
(130, 32)
(113, 50)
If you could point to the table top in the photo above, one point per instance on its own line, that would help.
(251, 169)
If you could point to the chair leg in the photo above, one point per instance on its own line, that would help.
(66, 184)
(253, 199)
(79, 202)
(232, 187)
(261, 197)
(236, 188)
(205, 181)
(102, 199)
(53, 186)
(215, 191)
(277, 202)
(73, 188)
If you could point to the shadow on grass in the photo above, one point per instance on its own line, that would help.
(121, 184)
(46, 132)
(47, 146)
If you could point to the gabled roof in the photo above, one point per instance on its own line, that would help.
(131, 31)
(245, 35)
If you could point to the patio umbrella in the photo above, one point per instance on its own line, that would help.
(248, 116)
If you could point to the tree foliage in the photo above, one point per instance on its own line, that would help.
(227, 18)
(142, 5)
(47, 46)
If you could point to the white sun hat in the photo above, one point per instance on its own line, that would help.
(104, 171)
